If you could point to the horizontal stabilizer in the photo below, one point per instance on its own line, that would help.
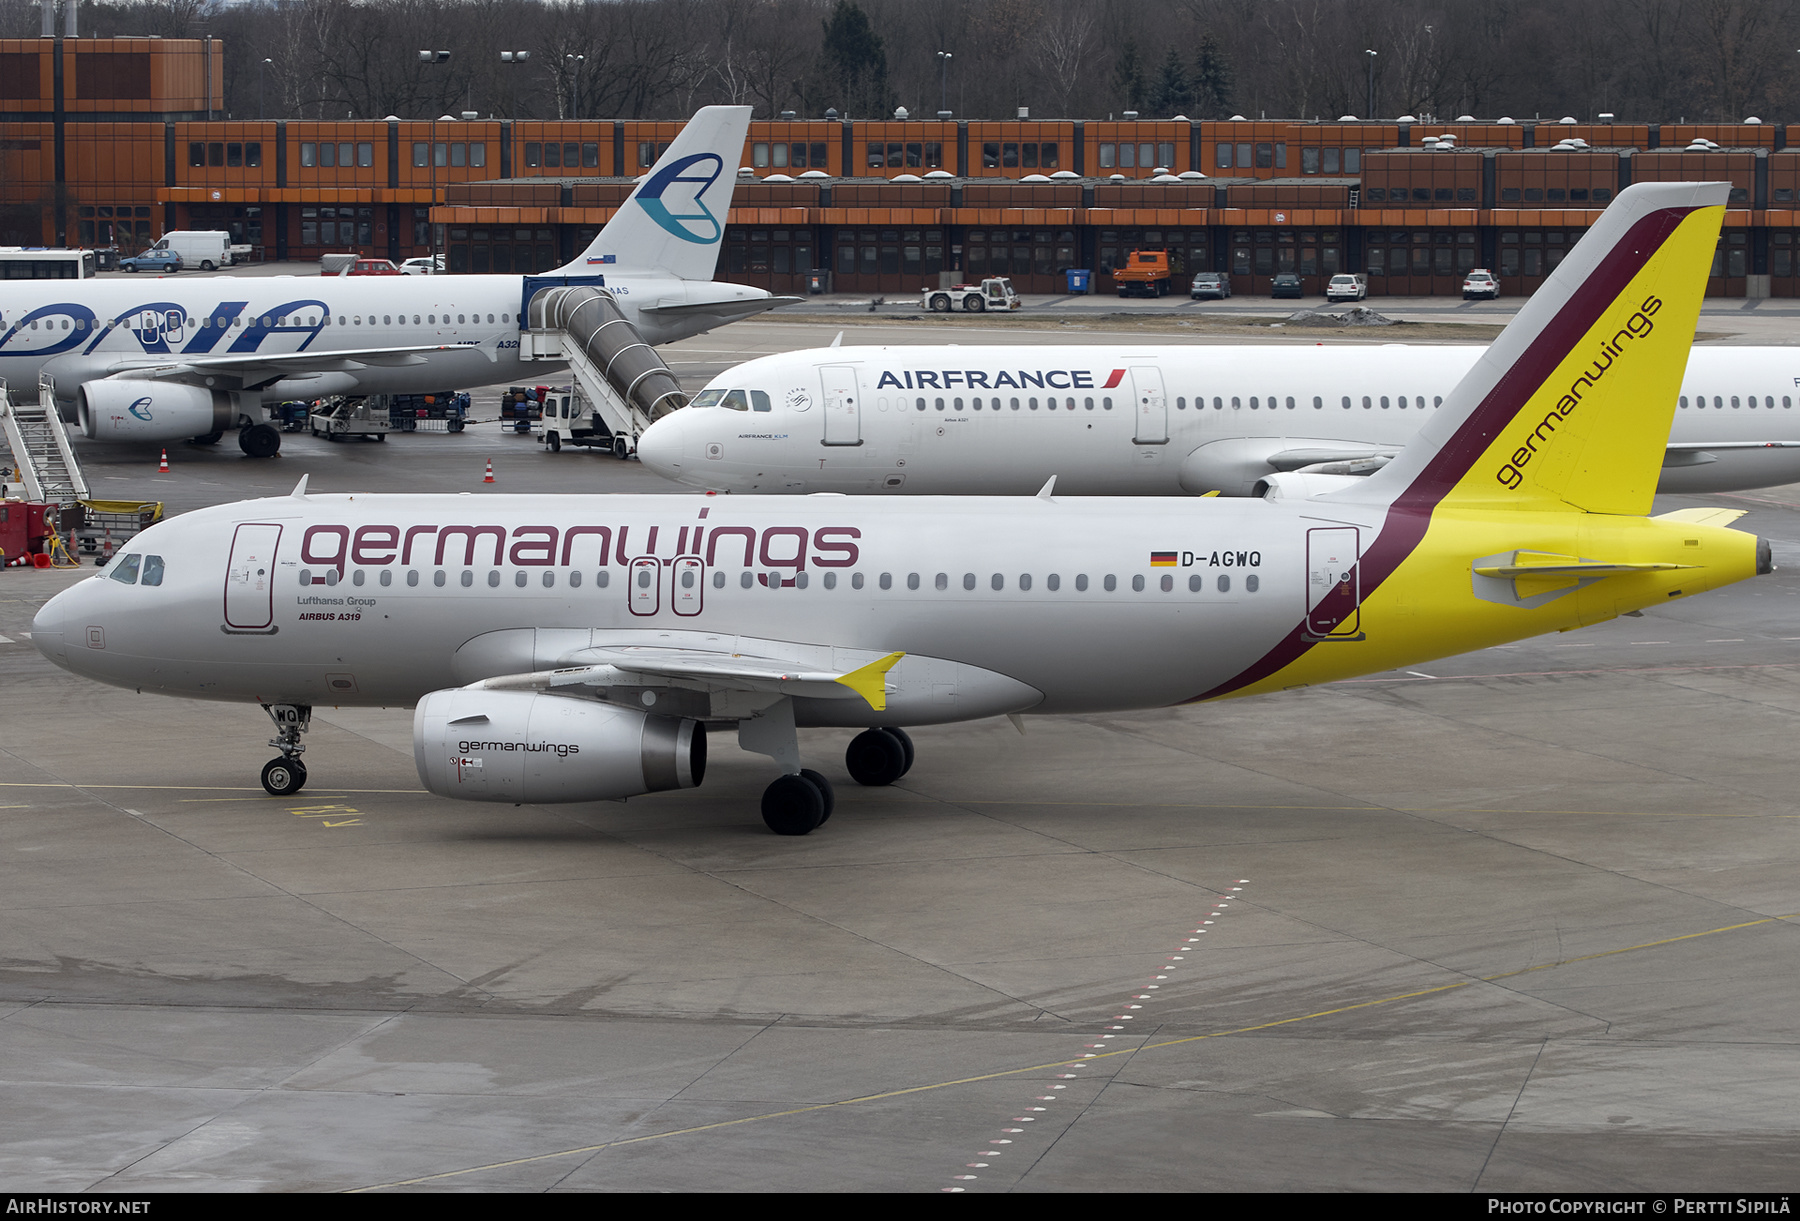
(1544, 564)
(1702, 516)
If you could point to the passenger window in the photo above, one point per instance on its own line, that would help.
(125, 571)
(153, 570)
(759, 400)
(735, 400)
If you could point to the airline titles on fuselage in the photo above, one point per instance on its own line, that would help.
(1002, 379)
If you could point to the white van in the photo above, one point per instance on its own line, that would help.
(207, 249)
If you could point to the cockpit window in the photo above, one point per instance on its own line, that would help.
(759, 399)
(153, 570)
(125, 571)
(707, 398)
(735, 400)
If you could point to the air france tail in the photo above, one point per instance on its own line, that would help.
(674, 220)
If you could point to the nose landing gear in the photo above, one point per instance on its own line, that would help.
(287, 775)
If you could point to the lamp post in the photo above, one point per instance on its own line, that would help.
(513, 57)
(1370, 112)
(576, 61)
(261, 90)
(433, 57)
(943, 58)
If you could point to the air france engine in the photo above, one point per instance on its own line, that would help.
(522, 746)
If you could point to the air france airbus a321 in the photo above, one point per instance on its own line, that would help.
(1149, 421)
(192, 356)
(577, 648)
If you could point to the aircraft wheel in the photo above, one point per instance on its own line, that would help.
(793, 805)
(906, 744)
(940, 303)
(824, 787)
(211, 438)
(282, 777)
(259, 441)
(555, 443)
(875, 757)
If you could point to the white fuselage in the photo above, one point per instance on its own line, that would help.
(82, 330)
(1147, 420)
(380, 599)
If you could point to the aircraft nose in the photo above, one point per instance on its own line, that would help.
(47, 628)
(662, 445)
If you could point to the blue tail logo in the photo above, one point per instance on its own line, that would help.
(700, 227)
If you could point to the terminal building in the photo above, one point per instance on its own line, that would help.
(111, 142)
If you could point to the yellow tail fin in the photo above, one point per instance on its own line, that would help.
(1572, 404)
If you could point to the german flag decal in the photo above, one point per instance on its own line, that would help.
(1162, 559)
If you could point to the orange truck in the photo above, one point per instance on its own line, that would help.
(1145, 273)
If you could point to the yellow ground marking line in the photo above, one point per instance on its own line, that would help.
(1063, 1063)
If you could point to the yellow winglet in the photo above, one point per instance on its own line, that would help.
(870, 682)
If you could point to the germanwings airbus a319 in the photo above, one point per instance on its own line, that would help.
(579, 648)
(193, 356)
(1150, 421)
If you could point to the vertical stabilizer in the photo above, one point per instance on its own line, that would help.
(1571, 406)
(675, 219)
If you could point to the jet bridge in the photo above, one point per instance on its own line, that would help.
(617, 371)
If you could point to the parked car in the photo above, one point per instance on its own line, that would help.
(158, 260)
(1210, 284)
(1347, 288)
(427, 266)
(1287, 284)
(373, 267)
(1481, 283)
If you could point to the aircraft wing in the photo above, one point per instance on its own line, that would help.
(1354, 460)
(1690, 446)
(252, 368)
(712, 671)
(721, 309)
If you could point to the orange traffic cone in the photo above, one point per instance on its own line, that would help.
(162, 468)
(489, 477)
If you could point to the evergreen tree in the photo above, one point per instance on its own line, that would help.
(1173, 94)
(1128, 77)
(1212, 85)
(853, 63)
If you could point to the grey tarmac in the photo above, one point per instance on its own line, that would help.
(1521, 920)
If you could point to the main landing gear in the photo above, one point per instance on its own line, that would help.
(800, 800)
(286, 776)
(259, 441)
(879, 757)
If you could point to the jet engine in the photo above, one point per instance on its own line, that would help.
(519, 746)
(136, 409)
